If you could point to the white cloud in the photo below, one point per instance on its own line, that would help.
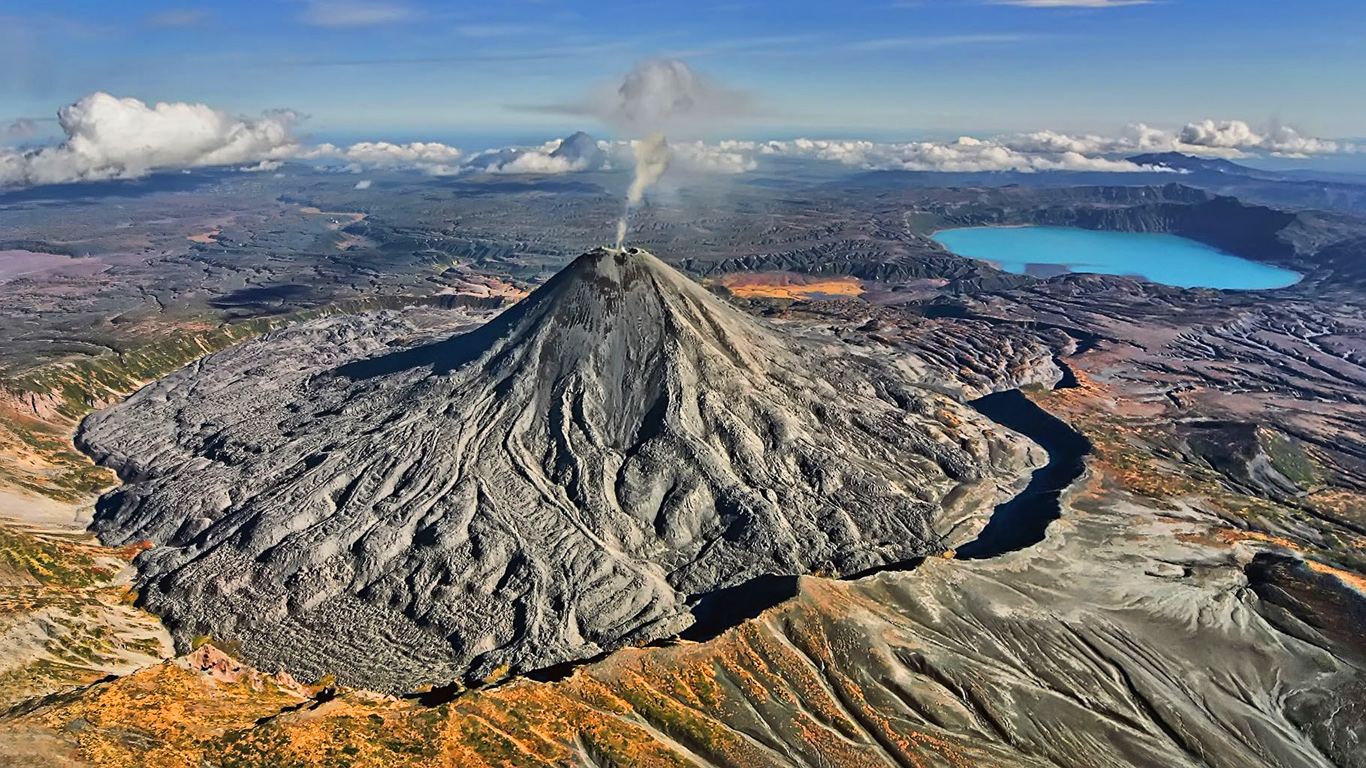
(577, 152)
(727, 157)
(417, 153)
(353, 13)
(1228, 138)
(540, 159)
(108, 137)
(965, 155)
(1238, 136)
(363, 184)
(536, 161)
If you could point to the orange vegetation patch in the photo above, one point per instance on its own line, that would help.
(1230, 536)
(785, 285)
(1339, 502)
(207, 238)
(795, 671)
(1346, 577)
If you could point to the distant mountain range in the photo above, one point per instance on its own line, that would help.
(1179, 162)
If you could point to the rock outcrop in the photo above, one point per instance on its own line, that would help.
(566, 479)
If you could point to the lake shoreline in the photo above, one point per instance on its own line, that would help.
(1153, 256)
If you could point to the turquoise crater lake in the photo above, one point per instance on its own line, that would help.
(1049, 251)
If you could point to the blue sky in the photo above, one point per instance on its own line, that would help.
(399, 69)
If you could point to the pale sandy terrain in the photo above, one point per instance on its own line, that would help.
(38, 511)
(353, 217)
(19, 263)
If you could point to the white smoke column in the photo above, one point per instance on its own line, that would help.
(662, 95)
(652, 160)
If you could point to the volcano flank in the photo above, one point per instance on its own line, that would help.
(566, 479)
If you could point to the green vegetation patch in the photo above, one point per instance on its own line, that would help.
(1290, 459)
(49, 560)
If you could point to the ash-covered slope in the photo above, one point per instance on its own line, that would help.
(560, 481)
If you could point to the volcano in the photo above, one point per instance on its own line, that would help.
(569, 478)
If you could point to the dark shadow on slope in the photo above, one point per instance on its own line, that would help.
(446, 355)
(717, 611)
(1321, 601)
(565, 669)
(1069, 376)
(438, 694)
(263, 295)
(899, 566)
(457, 351)
(1023, 521)
(544, 303)
(94, 192)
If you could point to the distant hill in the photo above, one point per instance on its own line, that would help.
(1177, 161)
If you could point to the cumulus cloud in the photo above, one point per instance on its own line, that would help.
(965, 155)
(1228, 138)
(726, 157)
(1238, 136)
(108, 137)
(363, 184)
(577, 152)
(386, 155)
(1036, 152)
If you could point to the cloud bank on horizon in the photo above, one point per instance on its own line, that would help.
(108, 137)
(119, 138)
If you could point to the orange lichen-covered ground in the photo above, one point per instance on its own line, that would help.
(785, 682)
(64, 617)
(785, 285)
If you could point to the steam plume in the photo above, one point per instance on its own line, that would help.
(656, 96)
(652, 160)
